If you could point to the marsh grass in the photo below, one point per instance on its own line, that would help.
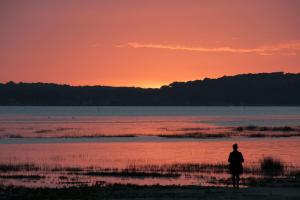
(250, 131)
(66, 129)
(256, 135)
(18, 167)
(247, 131)
(98, 136)
(265, 131)
(266, 167)
(213, 174)
(32, 177)
(193, 129)
(181, 167)
(275, 135)
(12, 136)
(197, 135)
(266, 128)
(69, 136)
(111, 136)
(53, 130)
(43, 131)
(69, 169)
(133, 174)
(148, 168)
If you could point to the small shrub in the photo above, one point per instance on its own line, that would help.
(271, 167)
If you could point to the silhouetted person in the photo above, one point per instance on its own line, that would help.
(236, 168)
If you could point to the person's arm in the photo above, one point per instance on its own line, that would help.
(242, 158)
(229, 158)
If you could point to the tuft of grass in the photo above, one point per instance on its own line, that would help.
(18, 167)
(271, 167)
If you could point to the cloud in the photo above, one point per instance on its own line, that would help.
(262, 50)
(265, 54)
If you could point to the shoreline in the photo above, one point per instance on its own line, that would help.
(118, 191)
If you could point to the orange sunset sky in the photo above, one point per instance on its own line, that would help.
(146, 43)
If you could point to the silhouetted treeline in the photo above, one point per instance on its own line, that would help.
(247, 89)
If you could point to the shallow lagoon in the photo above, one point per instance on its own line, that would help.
(52, 137)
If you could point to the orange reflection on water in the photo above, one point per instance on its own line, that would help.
(122, 154)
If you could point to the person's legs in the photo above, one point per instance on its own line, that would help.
(237, 180)
(233, 180)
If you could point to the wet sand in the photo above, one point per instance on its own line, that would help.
(150, 192)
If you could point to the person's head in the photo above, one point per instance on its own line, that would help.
(235, 147)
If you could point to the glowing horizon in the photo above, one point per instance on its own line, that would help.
(146, 44)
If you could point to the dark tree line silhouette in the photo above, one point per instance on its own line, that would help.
(269, 89)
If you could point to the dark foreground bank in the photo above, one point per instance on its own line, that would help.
(149, 192)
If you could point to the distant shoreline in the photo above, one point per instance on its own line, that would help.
(262, 89)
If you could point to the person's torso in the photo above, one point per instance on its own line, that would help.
(236, 157)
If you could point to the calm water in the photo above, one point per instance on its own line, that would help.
(88, 121)
(69, 136)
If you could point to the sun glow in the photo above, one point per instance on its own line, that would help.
(122, 44)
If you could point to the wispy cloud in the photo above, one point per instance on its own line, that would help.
(262, 50)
